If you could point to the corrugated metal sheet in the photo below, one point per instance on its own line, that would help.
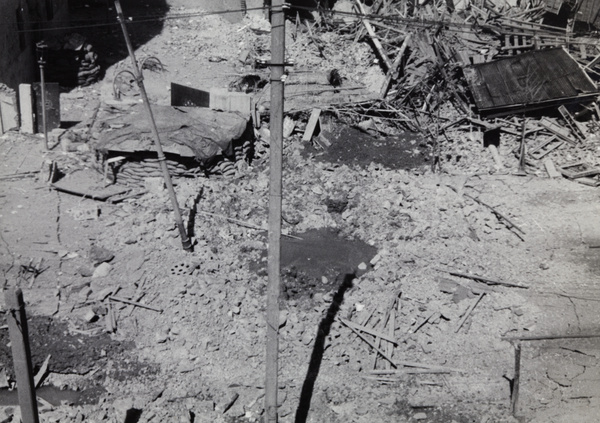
(588, 12)
(534, 78)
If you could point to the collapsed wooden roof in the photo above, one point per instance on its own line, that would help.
(529, 81)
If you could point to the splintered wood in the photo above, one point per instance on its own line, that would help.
(383, 344)
(426, 52)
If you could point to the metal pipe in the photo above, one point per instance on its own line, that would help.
(42, 48)
(185, 241)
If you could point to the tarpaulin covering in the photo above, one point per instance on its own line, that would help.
(186, 131)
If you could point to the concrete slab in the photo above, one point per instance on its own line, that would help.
(26, 108)
(223, 99)
(9, 112)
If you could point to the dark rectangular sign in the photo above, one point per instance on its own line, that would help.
(188, 97)
(52, 106)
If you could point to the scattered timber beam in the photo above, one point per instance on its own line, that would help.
(402, 362)
(369, 331)
(487, 281)
(242, 223)
(550, 337)
(393, 70)
(371, 32)
(134, 303)
(312, 124)
(510, 222)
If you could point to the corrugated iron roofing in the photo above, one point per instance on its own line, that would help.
(530, 79)
(588, 12)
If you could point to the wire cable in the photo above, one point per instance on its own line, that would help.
(414, 23)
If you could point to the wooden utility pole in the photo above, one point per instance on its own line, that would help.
(185, 241)
(19, 340)
(275, 183)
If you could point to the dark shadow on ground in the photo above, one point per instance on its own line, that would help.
(97, 21)
(317, 354)
(193, 212)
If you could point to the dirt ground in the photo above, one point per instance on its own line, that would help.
(383, 234)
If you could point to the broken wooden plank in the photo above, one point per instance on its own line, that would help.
(496, 212)
(41, 372)
(380, 51)
(545, 147)
(242, 223)
(370, 343)
(572, 123)
(134, 303)
(408, 371)
(592, 182)
(369, 331)
(557, 130)
(311, 126)
(486, 280)
(551, 169)
(403, 362)
(550, 337)
(394, 68)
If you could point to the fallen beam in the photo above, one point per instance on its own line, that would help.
(486, 280)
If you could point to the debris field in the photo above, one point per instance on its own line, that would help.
(440, 220)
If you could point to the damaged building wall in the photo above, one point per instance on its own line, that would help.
(23, 23)
(221, 6)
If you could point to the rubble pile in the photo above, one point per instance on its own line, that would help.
(458, 256)
(426, 54)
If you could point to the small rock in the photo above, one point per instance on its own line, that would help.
(122, 405)
(222, 407)
(283, 316)
(102, 271)
(161, 337)
(306, 338)
(85, 271)
(90, 316)
(100, 255)
(362, 266)
(420, 416)
(518, 311)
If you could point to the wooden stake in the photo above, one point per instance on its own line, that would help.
(514, 398)
(275, 188)
(19, 339)
(185, 241)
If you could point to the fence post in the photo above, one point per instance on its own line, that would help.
(19, 339)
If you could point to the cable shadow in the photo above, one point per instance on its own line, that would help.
(317, 354)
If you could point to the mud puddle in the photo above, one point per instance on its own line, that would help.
(350, 146)
(320, 262)
(92, 357)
